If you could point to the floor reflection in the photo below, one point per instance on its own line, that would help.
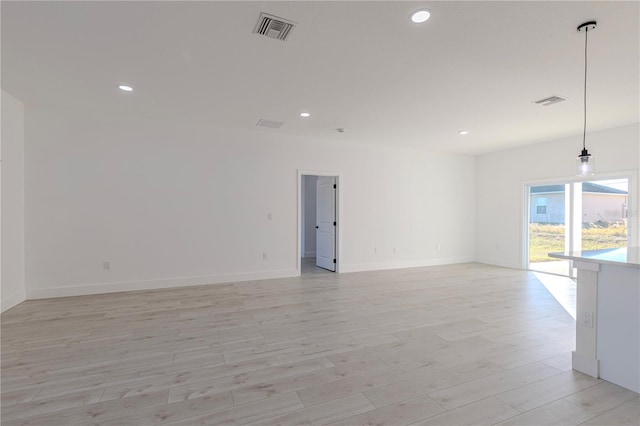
(563, 289)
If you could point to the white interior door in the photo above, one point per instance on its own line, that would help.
(326, 222)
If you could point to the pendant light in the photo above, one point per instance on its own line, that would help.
(585, 163)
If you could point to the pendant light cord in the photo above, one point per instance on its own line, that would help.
(584, 130)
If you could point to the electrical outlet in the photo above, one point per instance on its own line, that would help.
(375, 250)
(265, 255)
(586, 319)
(438, 247)
(269, 216)
(106, 265)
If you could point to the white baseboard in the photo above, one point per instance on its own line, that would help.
(309, 254)
(400, 264)
(585, 364)
(116, 287)
(497, 262)
(12, 300)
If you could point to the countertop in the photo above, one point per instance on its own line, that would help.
(627, 256)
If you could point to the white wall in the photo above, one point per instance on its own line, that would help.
(175, 204)
(309, 216)
(12, 288)
(501, 177)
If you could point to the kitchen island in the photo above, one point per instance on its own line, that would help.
(608, 314)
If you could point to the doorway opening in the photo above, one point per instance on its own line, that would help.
(318, 223)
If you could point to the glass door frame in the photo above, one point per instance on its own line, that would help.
(571, 222)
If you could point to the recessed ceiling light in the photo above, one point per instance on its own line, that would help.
(305, 114)
(420, 16)
(463, 132)
(125, 88)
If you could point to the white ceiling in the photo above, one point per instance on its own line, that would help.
(359, 65)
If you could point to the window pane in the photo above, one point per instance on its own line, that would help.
(547, 231)
(604, 214)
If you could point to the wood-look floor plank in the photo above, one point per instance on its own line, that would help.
(625, 414)
(319, 394)
(51, 405)
(422, 384)
(560, 412)
(485, 412)
(399, 414)
(174, 411)
(91, 413)
(602, 397)
(323, 414)
(466, 393)
(548, 390)
(247, 413)
(455, 344)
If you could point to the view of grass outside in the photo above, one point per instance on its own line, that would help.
(548, 238)
(602, 207)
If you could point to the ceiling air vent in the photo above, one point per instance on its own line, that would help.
(550, 100)
(269, 123)
(274, 27)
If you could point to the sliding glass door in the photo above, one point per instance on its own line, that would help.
(571, 216)
(604, 214)
(549, 214)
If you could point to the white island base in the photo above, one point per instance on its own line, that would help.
(608, 314)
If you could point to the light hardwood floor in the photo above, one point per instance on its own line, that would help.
(452, 345)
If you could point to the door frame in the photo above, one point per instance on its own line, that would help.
(634, 194)
(338, 176)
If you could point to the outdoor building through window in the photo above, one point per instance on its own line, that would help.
(575, 216)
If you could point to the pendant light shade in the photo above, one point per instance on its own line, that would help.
(585, 163)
